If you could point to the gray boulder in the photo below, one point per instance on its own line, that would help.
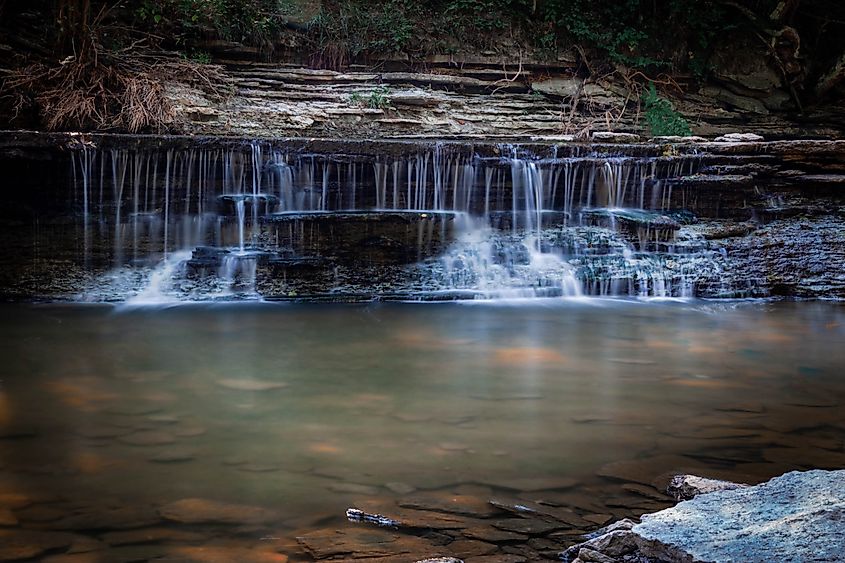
(796, 517)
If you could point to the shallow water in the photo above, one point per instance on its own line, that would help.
(309, 409)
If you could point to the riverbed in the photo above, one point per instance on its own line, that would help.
(274, 418)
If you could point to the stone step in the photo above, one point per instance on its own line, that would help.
(821, 179)
(438, 81)
(704, 180)
(753, 168)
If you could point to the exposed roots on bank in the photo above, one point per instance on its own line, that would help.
(104, 90)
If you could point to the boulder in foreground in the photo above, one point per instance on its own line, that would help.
(799, 516)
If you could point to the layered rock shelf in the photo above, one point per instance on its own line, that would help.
(309, 218)
(466, 97)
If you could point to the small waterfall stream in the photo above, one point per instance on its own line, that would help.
(512, 224)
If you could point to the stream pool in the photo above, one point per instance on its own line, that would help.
(229, 430)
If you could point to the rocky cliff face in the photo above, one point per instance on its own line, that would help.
(482, 96)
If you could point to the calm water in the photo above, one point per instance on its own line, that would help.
(306, 410)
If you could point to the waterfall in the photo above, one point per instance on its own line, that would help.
(522, 224)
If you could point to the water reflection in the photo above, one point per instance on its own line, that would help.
(307, 410)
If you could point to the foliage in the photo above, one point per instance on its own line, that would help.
(199, 57)
(354, 28)
(376, 99)
(248, 21)
(643, 34)
(661, 116)
(483, 16)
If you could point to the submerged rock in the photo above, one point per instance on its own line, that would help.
(222, 554)
(27, 544)
(366, 543)
(7, 518)
(245, 384)
(203, 511)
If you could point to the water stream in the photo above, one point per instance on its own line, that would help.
(567, 369)
(592, 224)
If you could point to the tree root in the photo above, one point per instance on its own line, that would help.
(109, 91)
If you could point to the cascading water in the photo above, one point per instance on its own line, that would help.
(513, 225)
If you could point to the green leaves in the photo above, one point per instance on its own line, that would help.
(661, 116)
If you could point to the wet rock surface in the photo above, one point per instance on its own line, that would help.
(203, 511)
(794, 517)
(738, 217)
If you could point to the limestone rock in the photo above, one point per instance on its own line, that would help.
(527, 526)
(745, 66)
(417, 98)
(739, 138)
(685, 487)
(364, 543)
(571, 87)
(148, 438)
(624, 524)
(612, 544)
(562, 87)
(245, 384)
(222, 554)
(203, 511)
(150, 535)
(7, 517)
(587, 555)
(677, 139)
(453, 504)
(28, 544)
(124, 518)
(795, 517)
(614, 137)
(472, 548)
(745, 103)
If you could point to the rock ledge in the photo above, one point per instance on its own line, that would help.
(799, 516)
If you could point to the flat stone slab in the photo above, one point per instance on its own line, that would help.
(799, 516)
(251, 384)
(223, 554)
(125, 518)
(148, 438)
(465, 505)
(151, 535)
(26, 544)
(364, 543)
(205, 511)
